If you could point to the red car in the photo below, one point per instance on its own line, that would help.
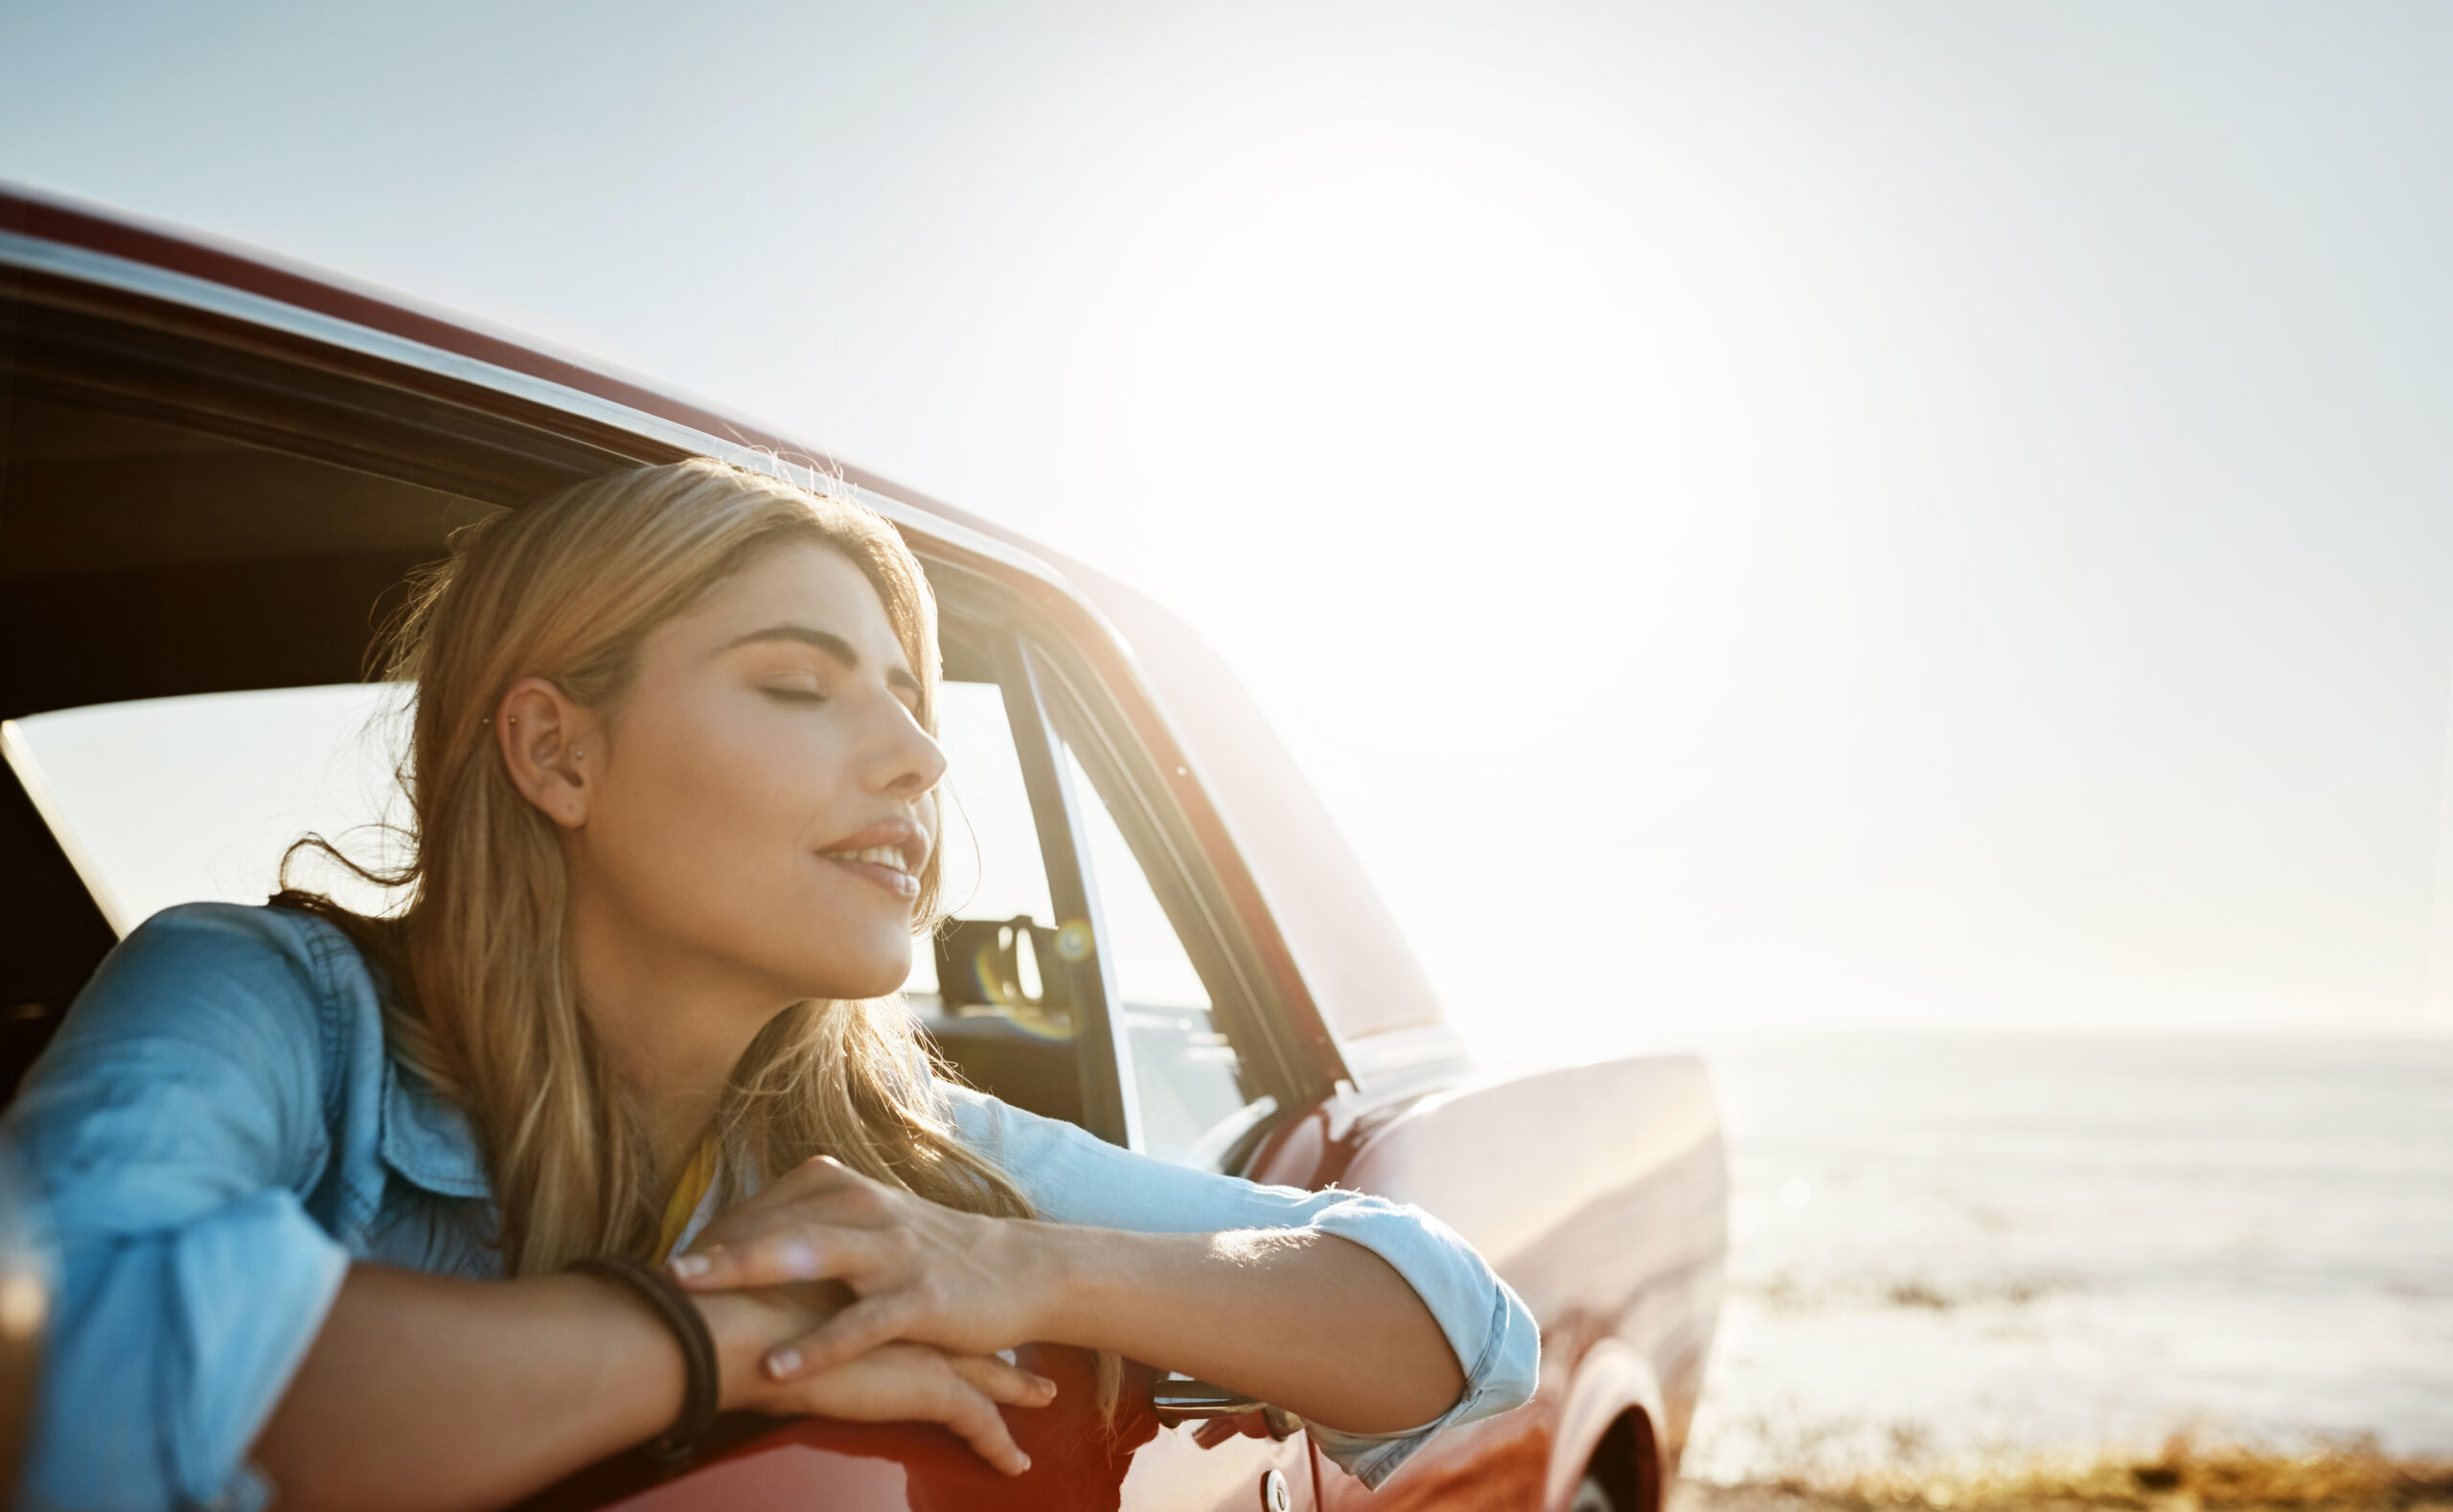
(218, 467)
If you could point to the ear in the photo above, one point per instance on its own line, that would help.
(550, 744)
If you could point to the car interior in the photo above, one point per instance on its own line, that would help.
(188, 511)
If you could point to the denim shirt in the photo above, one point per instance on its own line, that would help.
(218, 1133)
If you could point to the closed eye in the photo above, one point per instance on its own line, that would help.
(904, 685)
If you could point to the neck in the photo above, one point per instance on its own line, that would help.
(672, 1024)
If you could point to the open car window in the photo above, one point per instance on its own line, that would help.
(991, 863)
(163, 801)
(160, 801)
(987, 986)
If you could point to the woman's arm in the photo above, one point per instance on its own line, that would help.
(1315, 1323)
(1302, 1318)
(435, 1393)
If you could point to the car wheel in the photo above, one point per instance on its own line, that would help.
(1591, 1496)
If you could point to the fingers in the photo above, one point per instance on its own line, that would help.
(973, 1386)
(849, 1334)
(782, 1257)
(820, 1189)
(994, 1379)
(914, 1383)
(976, 1420)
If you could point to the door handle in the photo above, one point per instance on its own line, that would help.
(1180, 1399)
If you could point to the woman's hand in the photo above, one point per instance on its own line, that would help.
(901, 1382)
(894, 1382)
(917, 1271)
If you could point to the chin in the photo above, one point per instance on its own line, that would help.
(873, 977)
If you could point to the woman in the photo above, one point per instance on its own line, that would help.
(334, 1194)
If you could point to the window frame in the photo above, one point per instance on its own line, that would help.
(1111, 1104)
(1055, 701)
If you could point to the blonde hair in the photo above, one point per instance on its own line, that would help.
(485, 1005)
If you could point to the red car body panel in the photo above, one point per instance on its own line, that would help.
(1598, 1191)
(1077, 1461)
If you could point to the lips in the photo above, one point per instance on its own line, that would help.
(888, 854)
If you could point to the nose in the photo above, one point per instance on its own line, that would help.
(907, 760)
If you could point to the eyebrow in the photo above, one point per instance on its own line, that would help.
(898, 676)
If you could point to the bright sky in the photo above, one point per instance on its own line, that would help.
(1821, 513)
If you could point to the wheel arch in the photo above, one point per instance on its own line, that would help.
(1610, 1425)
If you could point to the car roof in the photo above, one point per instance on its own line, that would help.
(1358, 972)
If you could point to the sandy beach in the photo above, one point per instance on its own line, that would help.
(2182, 1476)
(1997, 1271)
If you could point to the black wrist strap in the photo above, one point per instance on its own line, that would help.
(675, 1444)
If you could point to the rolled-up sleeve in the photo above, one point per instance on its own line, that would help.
(170, 1127)
(1072, 1176)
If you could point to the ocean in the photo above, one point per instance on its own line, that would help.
(1965, 1251)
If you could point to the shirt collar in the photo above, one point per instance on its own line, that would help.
(427, 1139)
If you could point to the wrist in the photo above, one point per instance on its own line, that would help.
(1067, 1273)
(743, 1333)
(702, 1374)
(636, 1350)
(745, 1325)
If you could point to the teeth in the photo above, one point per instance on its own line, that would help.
(875, 855)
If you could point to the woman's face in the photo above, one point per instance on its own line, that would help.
(765, 797)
